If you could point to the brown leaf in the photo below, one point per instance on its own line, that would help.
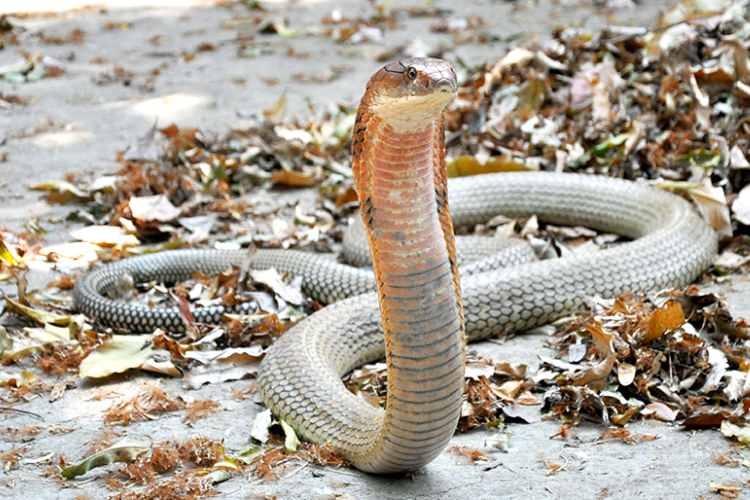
(470, 165)
(183, 306)
(293, 179)
(348, 196)
(712, 204)
(624, 435)
(528, 398)
(602, 339)
(508, 390)
(667, 317)
(705, 420)
(275, 114)
(596, 376)
(624, 418)
(660, 411)
(730, 491)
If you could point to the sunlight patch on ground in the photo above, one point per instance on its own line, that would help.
(61, 139)
(168, 108)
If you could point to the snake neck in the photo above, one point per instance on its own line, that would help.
(401, 184)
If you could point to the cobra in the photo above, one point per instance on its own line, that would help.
(413, 308)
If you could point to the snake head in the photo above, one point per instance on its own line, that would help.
(411, 88)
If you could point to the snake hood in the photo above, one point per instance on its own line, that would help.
(411, 90)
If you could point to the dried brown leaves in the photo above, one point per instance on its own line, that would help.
(150, 473)
(652, 359)
(145, 405)
(275, 462)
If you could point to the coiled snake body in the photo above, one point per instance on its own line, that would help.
(399, 165)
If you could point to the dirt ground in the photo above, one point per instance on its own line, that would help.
(77, 122)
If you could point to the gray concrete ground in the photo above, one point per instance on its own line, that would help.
(81, 126)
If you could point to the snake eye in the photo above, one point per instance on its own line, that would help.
(411, 73)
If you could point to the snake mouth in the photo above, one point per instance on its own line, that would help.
(445, 86)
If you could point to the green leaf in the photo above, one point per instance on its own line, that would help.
(292, 441)
(249, 456)
(124, 451)
(608, 145)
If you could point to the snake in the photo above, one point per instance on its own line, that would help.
(416, 306)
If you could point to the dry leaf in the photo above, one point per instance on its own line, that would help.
(272, 279)
(144, 148)
(526, 412)
(596, 376)
(262, 422)
(62, 192)
(625, 374)
(216, 374)
(474, 371)
(104, 236)
(666, 318)
(155, 208)
(602, 339)
(293, 179)
(126, 450)
(660, 411)
(469, 165)
(705, 420)
(738, 385)
(117, 354)
(38, 316)
(741, 206)
(742, 433)
(508, 390)
(291, 441)
(712, 204)
(275, 114)
(718, 361)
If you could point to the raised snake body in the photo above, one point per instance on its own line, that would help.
(398, 157)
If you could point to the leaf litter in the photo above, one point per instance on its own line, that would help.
(666, 105)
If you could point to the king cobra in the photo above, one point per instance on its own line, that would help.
(421, 316)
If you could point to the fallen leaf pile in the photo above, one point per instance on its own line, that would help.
(668, 105)
(668, 357)
(182, 185)
(188, 469)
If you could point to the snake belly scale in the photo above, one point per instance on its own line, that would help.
(415, 295)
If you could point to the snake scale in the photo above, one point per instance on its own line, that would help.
(422, 306)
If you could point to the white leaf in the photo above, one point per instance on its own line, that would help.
(260, 426)
(741, 206)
